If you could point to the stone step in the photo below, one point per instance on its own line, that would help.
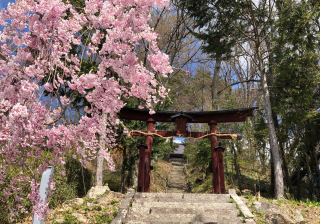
(184, 205)
(161, 210)
(181, 197)
(166, 218)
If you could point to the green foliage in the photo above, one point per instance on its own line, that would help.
(305, 203)
(200, 153)
(204, 187)
(296, 69)
(10, 201)
(113, 179)
(162, 149)
(64, 190)
(227, 17)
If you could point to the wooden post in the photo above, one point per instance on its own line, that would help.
(220, 151)
(149, 141)
(214, 143)
(141, 171)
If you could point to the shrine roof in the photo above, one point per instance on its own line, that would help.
(220, 116)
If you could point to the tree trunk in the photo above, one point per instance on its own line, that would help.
(100, 159)
(298, 177)
(314, 153)
(250, 153)
(271, 191)
(236, 165)
(129, 178)
(171, 147)
(309, 177)
(285, 168)
(123, 169)
(284, 161)
(215, 79)
(279, 186)
(263, 158)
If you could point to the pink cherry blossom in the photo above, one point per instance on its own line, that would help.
(48, 87)
(43, 37)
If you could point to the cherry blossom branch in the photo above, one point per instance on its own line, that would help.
(62, 113)
(3, 57)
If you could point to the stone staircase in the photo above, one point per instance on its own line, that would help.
(181, 208)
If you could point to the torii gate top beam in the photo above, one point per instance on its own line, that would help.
(220, 116)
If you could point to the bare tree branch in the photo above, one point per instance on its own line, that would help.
(236, 83)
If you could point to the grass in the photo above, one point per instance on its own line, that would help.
(114, 201)
(254, 181)
(100, 218)
(159, 176)
(310, 210)
(95, 215)
(113, 179)
(115, 213)
(70, 219)
(97, 208)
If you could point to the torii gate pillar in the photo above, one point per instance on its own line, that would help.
(215, 172)
(141, 170)
(149, 142)
(219, 150)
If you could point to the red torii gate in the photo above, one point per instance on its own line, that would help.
(181, 119)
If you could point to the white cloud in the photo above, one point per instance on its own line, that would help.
(178, 140)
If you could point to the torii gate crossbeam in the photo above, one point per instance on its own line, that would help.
(181, 119)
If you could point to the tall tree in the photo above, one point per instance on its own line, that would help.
(241, 22)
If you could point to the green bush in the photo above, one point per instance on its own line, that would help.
(71, 185)
(113, 179)
(160, 150)
(77, 175)
(67, 187)
(64, 190)
(10, 201)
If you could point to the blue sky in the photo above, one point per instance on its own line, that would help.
(4, 3)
